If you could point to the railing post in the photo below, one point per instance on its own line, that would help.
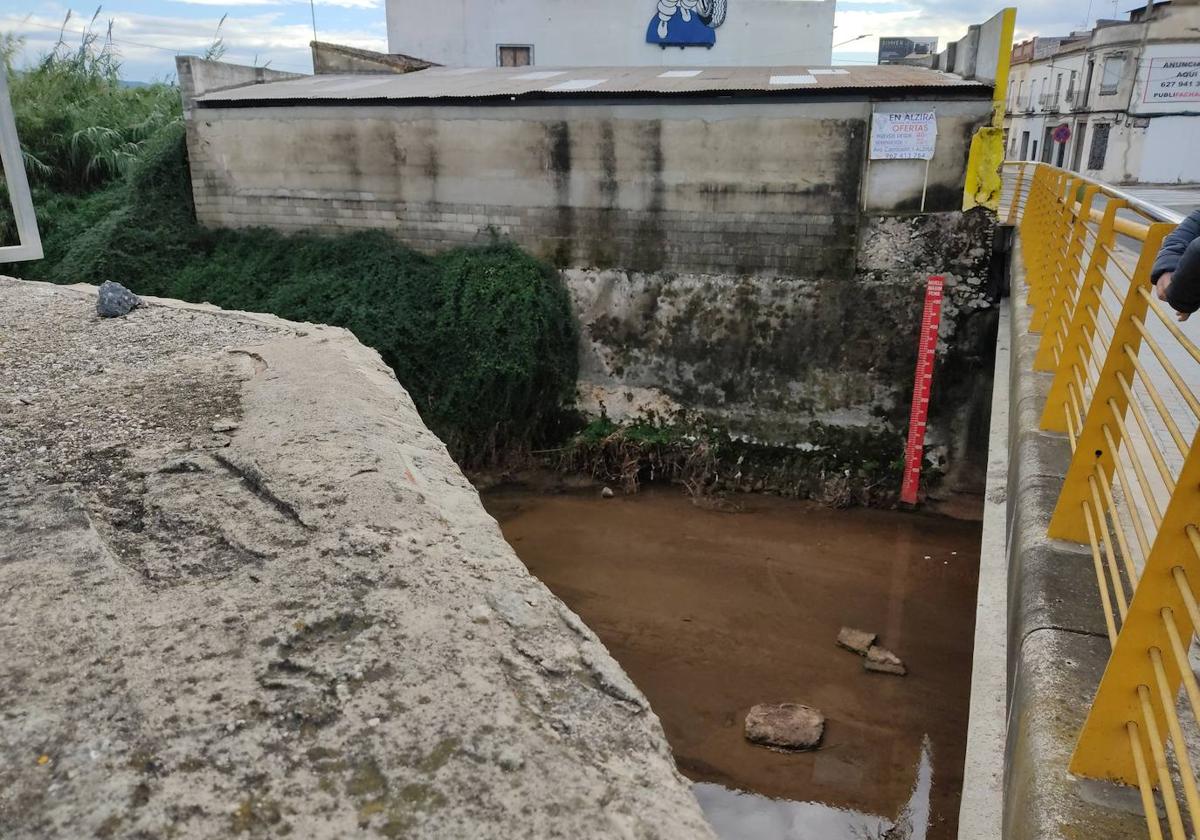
(1016, 196)
(1077, 349)
(1091, 449)
(1063, 293)
(1103, 748)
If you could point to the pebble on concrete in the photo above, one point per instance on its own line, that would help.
(858, 641)
(883, 661)
(785, 726)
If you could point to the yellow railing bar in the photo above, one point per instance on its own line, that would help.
(1115, 517)
(1149, 806)
(1148, 494)
(1182, 663)
(1166, 699)
(1140, 417)
(1155, 398)
(1065, 523)
(1172, 326)
(1101, 579)
(1174, 820)
(1127, 489)
(1168, 367)
(1117, 584)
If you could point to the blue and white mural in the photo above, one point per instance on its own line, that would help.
(686, 23)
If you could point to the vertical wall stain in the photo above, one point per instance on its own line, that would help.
(649, 244)
(602, 246)
(558, 141)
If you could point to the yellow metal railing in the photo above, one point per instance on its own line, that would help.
(1124, 390)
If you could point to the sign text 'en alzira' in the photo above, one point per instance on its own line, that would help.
(1173, 80)
(903, 135)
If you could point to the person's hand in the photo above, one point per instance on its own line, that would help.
(1162, 284)
(1161, 287)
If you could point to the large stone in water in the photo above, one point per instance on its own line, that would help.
(859, 641)
(115, 300)
(884, 661)
(785, 726)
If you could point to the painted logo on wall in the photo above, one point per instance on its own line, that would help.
(686, 23)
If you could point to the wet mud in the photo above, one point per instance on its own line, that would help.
(711, 612)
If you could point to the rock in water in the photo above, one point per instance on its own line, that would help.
(859, 641)
(884, 661)
(607, 493)
(785, 726)
(115, 300)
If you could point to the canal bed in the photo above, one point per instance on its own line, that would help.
(711, 612)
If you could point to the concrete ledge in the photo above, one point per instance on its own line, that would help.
(1055, 670)
(245, 591)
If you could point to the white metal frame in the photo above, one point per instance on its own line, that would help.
(30, 247)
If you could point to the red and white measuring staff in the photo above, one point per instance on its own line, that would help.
(914, 453)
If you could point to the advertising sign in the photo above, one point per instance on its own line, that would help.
(1173, 80)
(903, 135)
(894, 49)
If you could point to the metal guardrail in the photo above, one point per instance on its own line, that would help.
(1125, 392)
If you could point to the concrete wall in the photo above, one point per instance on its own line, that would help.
(737, 188)
(198, 76)
(767, 356)
(584, 32)
(336, 58)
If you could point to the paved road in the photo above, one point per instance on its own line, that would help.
(1182, 199)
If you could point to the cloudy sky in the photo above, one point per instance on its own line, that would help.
(149, 33)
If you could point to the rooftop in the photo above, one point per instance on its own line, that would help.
(525, 83)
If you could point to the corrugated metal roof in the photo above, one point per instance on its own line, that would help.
(509, 83)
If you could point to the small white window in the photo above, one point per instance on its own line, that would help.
(1111, 73)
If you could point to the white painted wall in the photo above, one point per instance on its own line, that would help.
(576, 33)
(1169, 151)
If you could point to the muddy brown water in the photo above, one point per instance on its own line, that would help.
(711, 612)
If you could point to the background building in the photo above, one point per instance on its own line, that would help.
(1120, 102)
(573, 33)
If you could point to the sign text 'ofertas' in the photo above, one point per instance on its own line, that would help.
(903, 135)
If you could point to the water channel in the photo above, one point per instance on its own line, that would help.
(712, 610)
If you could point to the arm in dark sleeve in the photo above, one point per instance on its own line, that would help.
(1184, 293)
(1174, 246)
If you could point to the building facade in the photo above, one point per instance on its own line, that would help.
(574, 33)
(1120, 102)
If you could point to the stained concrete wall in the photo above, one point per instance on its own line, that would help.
(336, 58)
(198, 76)
(766, 357)
(654, 186)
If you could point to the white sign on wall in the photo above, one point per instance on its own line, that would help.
(903, 135)
(1173, 80)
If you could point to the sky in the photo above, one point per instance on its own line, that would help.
(149, 33)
